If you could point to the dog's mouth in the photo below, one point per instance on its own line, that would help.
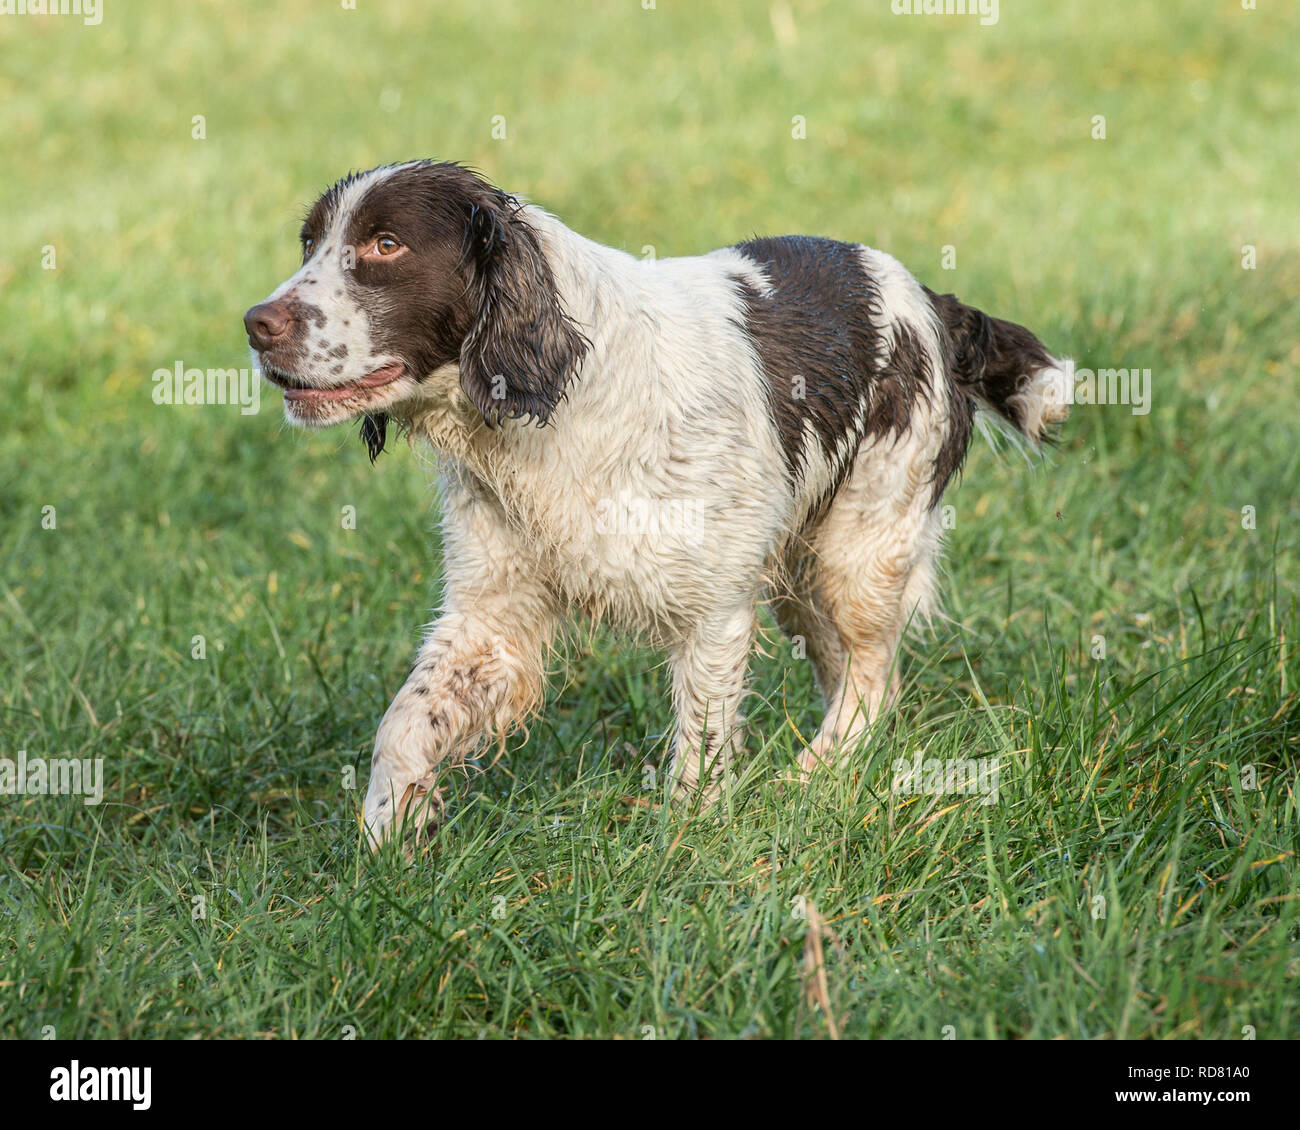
(300, 393)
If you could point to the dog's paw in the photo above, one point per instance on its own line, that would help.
(704, 793)
(423, 815)
(417, 812)
(819, 754)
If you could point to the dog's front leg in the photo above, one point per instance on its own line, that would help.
(708, 682)
(478, 674)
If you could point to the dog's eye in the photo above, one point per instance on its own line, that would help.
(387, 245)
(308, 246)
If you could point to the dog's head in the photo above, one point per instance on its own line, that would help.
(408, 268)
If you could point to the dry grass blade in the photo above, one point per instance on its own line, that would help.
(815, 987)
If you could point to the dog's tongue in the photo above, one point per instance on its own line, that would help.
(387, 375)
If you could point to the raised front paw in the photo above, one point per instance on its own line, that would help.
(402, 788)
(414, 809)
(706, 793)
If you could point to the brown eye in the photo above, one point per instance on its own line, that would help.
(387, 245)
(308, 246)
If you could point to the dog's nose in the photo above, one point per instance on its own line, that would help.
(266, 323)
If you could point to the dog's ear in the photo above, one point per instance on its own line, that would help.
(522, 348)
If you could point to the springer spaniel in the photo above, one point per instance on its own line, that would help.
(662, 444)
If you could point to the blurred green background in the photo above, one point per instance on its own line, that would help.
(671, 128)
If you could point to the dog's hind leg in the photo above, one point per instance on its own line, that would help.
(872, 570)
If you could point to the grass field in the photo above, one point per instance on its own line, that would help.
(1129, 881)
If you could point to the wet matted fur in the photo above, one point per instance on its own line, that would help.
(661, 444)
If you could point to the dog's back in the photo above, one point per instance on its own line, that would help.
(854, 350)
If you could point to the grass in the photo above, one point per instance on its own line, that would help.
(1127, 883)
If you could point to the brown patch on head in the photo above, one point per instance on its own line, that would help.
(417, 303)
(471, 285)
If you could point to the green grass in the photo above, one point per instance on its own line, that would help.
(562, 897)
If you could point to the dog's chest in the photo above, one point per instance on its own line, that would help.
(624, 546)
(641, 534)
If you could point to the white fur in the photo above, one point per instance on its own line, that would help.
(671, 411)
(668, 361)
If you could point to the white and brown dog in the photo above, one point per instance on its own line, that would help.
(662, 444)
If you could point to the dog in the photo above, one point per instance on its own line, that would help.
(663, 445)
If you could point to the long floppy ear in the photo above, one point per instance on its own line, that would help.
(522, 349)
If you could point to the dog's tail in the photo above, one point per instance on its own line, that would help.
(1003, 367)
